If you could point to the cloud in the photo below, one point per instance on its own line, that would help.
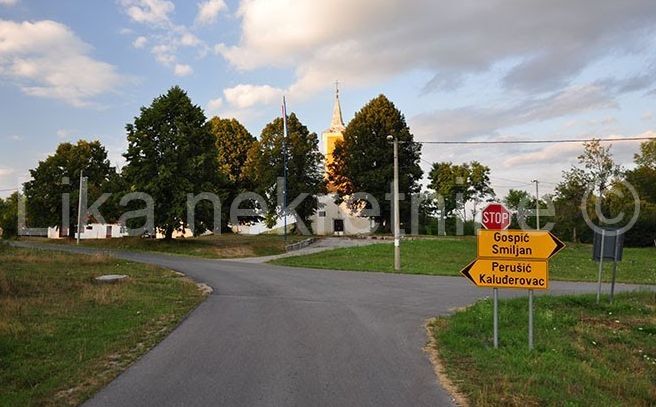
(8, 2)
(166, 37)
(189, 40)
(244, 96)
(154, 12)
(6, 171)
(548, 43)
(567, 152)
(182, 70)
(140, 42)
(214, 105)
(472, 121)
(46, 59)
(209, 10)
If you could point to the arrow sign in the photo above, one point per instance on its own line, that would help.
(518, 244)
(531, 274)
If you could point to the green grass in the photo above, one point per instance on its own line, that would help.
(447, 256)
(62, 337)
(222, 246)
(585, 354)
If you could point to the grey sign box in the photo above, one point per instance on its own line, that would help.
(613, 245)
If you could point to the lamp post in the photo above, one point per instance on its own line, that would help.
(395, 203)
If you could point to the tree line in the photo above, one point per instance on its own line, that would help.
(174, 150)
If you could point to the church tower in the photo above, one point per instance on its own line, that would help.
(335, 132)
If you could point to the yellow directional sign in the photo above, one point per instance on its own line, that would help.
(518, 244)
(504, 273)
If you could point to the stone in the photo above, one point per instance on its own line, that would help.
(111, 278)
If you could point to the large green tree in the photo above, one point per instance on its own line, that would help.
(363, 160)
(59, 173)
(9, 216)
(265, 164)
(459, 184)
(233, 142)
(643, 179)
(172, 153)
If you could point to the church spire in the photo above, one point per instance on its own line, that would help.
(336, 123)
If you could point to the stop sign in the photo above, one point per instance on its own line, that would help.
(495, 216)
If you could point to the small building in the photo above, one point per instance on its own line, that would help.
(103, 231)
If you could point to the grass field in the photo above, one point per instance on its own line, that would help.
(223, 246)
(585, 354)
(62, 337)
(447, 256)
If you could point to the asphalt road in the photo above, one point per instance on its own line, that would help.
(278, 336)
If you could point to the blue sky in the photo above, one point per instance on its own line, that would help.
(465, 70)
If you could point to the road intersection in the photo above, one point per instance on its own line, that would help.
(280, 336)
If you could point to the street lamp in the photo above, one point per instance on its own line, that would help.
(395, 203)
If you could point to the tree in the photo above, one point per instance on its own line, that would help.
(265, 164)
(519, 202)
(569, 194)
(643, 179)
(459, 184)
(599, 166)
(60, 173)
(363, 160)
(647, 155)
(233, 142)
(172, 152)
(9, 216)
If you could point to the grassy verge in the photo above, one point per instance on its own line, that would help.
(585, 354)
(448, 256)
(223, 246)
(62, 337)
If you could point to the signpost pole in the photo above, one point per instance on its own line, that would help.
(601, 263)
(496, 317)
(530, 319)
(615, 255)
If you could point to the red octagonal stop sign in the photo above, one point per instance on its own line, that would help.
(495, 217)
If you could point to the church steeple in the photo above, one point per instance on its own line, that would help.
(336, 123)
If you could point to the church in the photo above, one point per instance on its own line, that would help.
(330, 218)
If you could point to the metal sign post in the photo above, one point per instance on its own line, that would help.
(530, 319)
(601, 263)
(495, 318)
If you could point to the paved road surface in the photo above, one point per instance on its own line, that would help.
(277, 336)
(321, 245)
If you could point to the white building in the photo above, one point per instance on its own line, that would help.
(92, 231)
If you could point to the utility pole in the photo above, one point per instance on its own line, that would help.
(530, 292)
(284, 149)
(79, 208)
(537, 203)
(395, 203)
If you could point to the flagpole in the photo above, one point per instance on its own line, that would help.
(284, 149)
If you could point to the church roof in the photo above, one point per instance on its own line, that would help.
(336, 122)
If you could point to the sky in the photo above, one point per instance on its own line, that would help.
(458, 71)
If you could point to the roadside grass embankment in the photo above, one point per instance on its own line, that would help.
(224, 246)
(63, 337)
(447, 256)
(585, 354)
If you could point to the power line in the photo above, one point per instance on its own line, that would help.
(603, 140)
